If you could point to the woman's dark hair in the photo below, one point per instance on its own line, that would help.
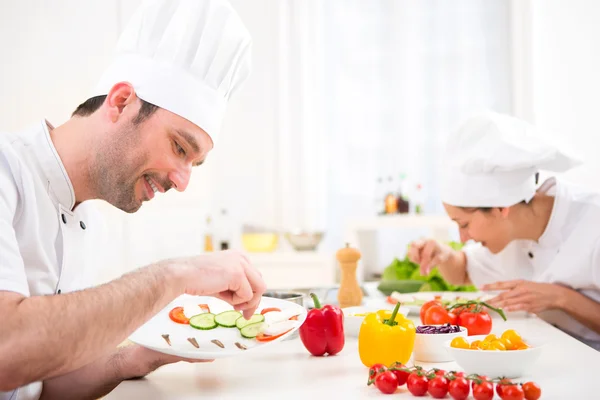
(92, 104)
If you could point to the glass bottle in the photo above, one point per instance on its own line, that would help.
(402, 198)
(208, 236)
(391, 204)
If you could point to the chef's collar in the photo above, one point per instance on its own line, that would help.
(552, 236)
(53, 169)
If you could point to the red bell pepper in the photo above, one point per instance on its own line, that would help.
(323, 330)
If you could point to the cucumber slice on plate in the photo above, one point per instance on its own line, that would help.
(252, 330)
(228, 318)
(242, 322)
(204, 321)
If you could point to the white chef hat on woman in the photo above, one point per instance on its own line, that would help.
(186, 56)
(492, 160)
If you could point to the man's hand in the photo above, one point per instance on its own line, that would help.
(428, 254)
(520, 295)
(138, 361)
(227, 275)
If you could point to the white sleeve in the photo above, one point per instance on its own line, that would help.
(596, 267)
(482, 266)
(12, 268)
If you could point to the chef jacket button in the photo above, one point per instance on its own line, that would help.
(64, 218)
(530, 254)
(58, 291)
(82, 224)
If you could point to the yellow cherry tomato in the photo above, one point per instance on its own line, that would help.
(513, 336)
(497, 345)
(507, 344)
(475, 344)
(490, 338)
(484, 345)
(522, 346)
(459, 343)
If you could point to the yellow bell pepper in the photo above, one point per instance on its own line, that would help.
(386, 337)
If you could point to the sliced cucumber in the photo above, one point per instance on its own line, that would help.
(227, 318)
(252, 330)
(242, 322)
(204, 321)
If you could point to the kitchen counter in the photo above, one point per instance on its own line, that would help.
(286, 368)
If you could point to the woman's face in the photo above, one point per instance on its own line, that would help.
(492, 228)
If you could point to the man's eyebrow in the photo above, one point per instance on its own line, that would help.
(190, 139)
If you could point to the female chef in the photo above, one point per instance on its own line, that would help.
(539, 246)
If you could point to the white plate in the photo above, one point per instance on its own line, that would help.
(150, 334)
(415, 300)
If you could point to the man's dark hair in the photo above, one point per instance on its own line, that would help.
(92, 104)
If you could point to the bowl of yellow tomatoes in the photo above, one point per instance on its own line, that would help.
(508, 355)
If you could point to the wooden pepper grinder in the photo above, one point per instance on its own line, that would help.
(350, 294)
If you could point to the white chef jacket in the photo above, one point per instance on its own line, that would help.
(567, 253)
(46, 246)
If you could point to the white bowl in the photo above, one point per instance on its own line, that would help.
(431, 347)
(353, 322)
(511, 364)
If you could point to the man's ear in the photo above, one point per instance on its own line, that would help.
(118, 98)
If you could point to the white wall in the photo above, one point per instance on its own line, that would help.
(51, 55)
(566, 77)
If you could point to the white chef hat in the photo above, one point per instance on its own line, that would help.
(492, 160)
(186, 56)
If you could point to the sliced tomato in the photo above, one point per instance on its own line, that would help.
(266, 310)
(204, 307)
(261, 337)
(178, 316)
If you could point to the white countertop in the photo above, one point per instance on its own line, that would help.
(286, 368)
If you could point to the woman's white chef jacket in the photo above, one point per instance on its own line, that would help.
(567, 253)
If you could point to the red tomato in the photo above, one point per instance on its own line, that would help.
(483, 391)
(458, 374)
(178, 316)
(532, 391)
(426, 307)
(386, 382)
(417, 384)
(438, 387)
(459, 388)
(500, 385)
(483, 379)
(261, 337)
(476, 323)
(453, 318)
(512, 392)
(436, 315)
(402, 376)
(375, 370)
(266, 310)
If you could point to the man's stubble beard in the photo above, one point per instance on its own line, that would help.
(115, 169)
